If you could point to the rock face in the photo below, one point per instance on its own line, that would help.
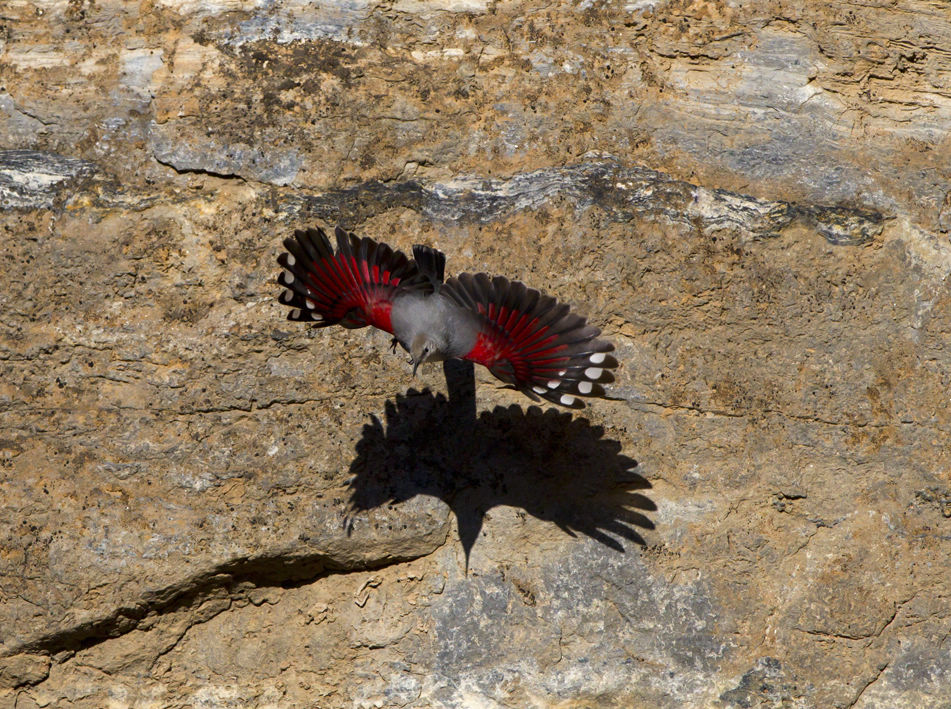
(206, 505)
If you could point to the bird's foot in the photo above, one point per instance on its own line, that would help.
(393, 344)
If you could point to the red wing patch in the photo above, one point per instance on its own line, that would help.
(531, 341)
(353, 287)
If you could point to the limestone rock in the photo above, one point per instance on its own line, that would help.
(19, 670)
(204, 504)
(33, 179)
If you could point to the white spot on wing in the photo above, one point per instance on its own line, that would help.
(585, 387)
(310, 304)
(567, 399)
(295, 313)
(593, 372)
(291, 260)
(539, 390)
(553, 384)
(288, 278)
(597, 357)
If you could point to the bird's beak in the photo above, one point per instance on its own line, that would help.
(416, 363)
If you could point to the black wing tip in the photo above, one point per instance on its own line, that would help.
(288, 280)
(305, 315)
(565, 399)
(583, 375)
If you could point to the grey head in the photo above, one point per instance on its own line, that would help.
(425, 348)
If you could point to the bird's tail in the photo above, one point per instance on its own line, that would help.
(432, 263)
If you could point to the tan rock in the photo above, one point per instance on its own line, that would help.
(20, 670)
(204, 504)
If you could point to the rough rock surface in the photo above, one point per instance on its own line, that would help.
(205, 505)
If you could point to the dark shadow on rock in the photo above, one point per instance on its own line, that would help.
(548, 463)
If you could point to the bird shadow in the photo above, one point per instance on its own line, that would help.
(552, 465)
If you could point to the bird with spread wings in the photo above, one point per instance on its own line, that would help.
(525, 338)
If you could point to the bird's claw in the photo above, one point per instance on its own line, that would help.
(393, 344)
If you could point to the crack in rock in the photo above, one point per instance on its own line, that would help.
(207, 155)
(236, 576)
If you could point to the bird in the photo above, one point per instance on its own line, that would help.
(528, 340)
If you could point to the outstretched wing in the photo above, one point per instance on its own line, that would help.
(532, 341)
(353, 287)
